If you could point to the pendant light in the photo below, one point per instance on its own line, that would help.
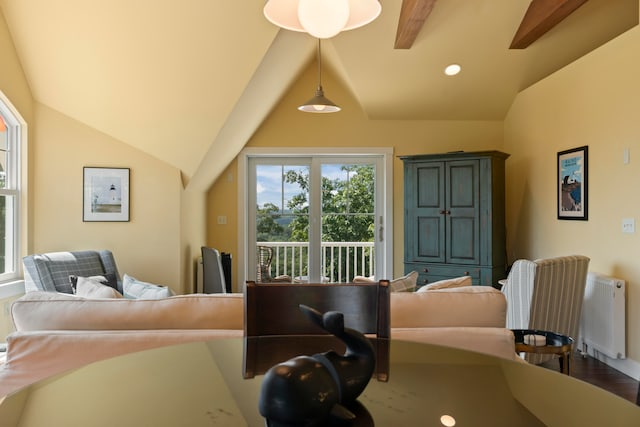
(319, 104)
(321, 18)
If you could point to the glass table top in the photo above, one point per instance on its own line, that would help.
(202, 384)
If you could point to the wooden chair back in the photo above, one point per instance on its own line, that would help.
(275, 329)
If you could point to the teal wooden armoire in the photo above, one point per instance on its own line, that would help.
(454, 216)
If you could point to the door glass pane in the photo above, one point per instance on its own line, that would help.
(315, 218)
(282, 217)
(6, 234)
(348, 221)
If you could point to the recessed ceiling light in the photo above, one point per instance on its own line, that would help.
(452, 70)
(448, 420)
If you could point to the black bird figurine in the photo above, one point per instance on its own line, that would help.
(310, 391)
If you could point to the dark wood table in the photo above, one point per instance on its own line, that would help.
(202, 384)
(557, 344)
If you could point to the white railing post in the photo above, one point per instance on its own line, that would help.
(341, 264)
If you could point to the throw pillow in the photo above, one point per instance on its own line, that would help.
(93, 287)
(364, 279)
(447, 283)
(108, 279)
(136, 289)
(404, 284)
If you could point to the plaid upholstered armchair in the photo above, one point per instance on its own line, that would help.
(51, 271)
(546, 294)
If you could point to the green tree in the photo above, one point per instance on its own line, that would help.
(267, 226)
(347, 206)
(347, 212)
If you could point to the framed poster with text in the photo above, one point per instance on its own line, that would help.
(572, 184)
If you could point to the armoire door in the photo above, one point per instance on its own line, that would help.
(462, 212)
(424, 204)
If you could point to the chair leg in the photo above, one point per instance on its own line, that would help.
(565, 363)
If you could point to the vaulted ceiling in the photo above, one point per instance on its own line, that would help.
(189, 81)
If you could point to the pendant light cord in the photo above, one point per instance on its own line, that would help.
(319, 66)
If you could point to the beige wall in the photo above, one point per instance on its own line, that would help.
(166, 230)
(148, 246)
(15, 88)
(288, 127)
(593, 102)
(12, 80)
(193, 235)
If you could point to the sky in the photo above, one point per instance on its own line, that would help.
(271, 189)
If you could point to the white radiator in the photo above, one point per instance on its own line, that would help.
(602, 325)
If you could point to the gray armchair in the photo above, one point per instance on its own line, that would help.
(51, 271)
(213, 280)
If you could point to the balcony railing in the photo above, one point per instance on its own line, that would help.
(341, 261)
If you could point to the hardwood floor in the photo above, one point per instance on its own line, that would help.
(602, 375)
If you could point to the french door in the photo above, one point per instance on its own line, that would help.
(322, 216)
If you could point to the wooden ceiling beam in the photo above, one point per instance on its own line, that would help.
(412, 17)
(541, 16)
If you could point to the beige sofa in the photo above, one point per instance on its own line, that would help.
(58, 332)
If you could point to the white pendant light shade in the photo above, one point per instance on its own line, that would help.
(362, 12)
(283, 13)
(321, 18)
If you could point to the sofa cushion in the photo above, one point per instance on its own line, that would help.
(137, 289)
(51, 311)
(108, 279)
(482, 306)
(406, 283)
(456, 282)
(94, 287)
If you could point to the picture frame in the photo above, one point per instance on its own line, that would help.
(572, 182)
(105, 194)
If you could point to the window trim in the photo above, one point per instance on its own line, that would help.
(17, 137)
(386, 190)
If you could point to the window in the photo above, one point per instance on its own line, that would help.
(323, 216)
(9, 191)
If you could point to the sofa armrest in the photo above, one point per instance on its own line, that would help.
(34, 356)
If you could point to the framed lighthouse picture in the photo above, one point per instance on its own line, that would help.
(106, 194)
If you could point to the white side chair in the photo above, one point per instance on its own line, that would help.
(546, 294)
